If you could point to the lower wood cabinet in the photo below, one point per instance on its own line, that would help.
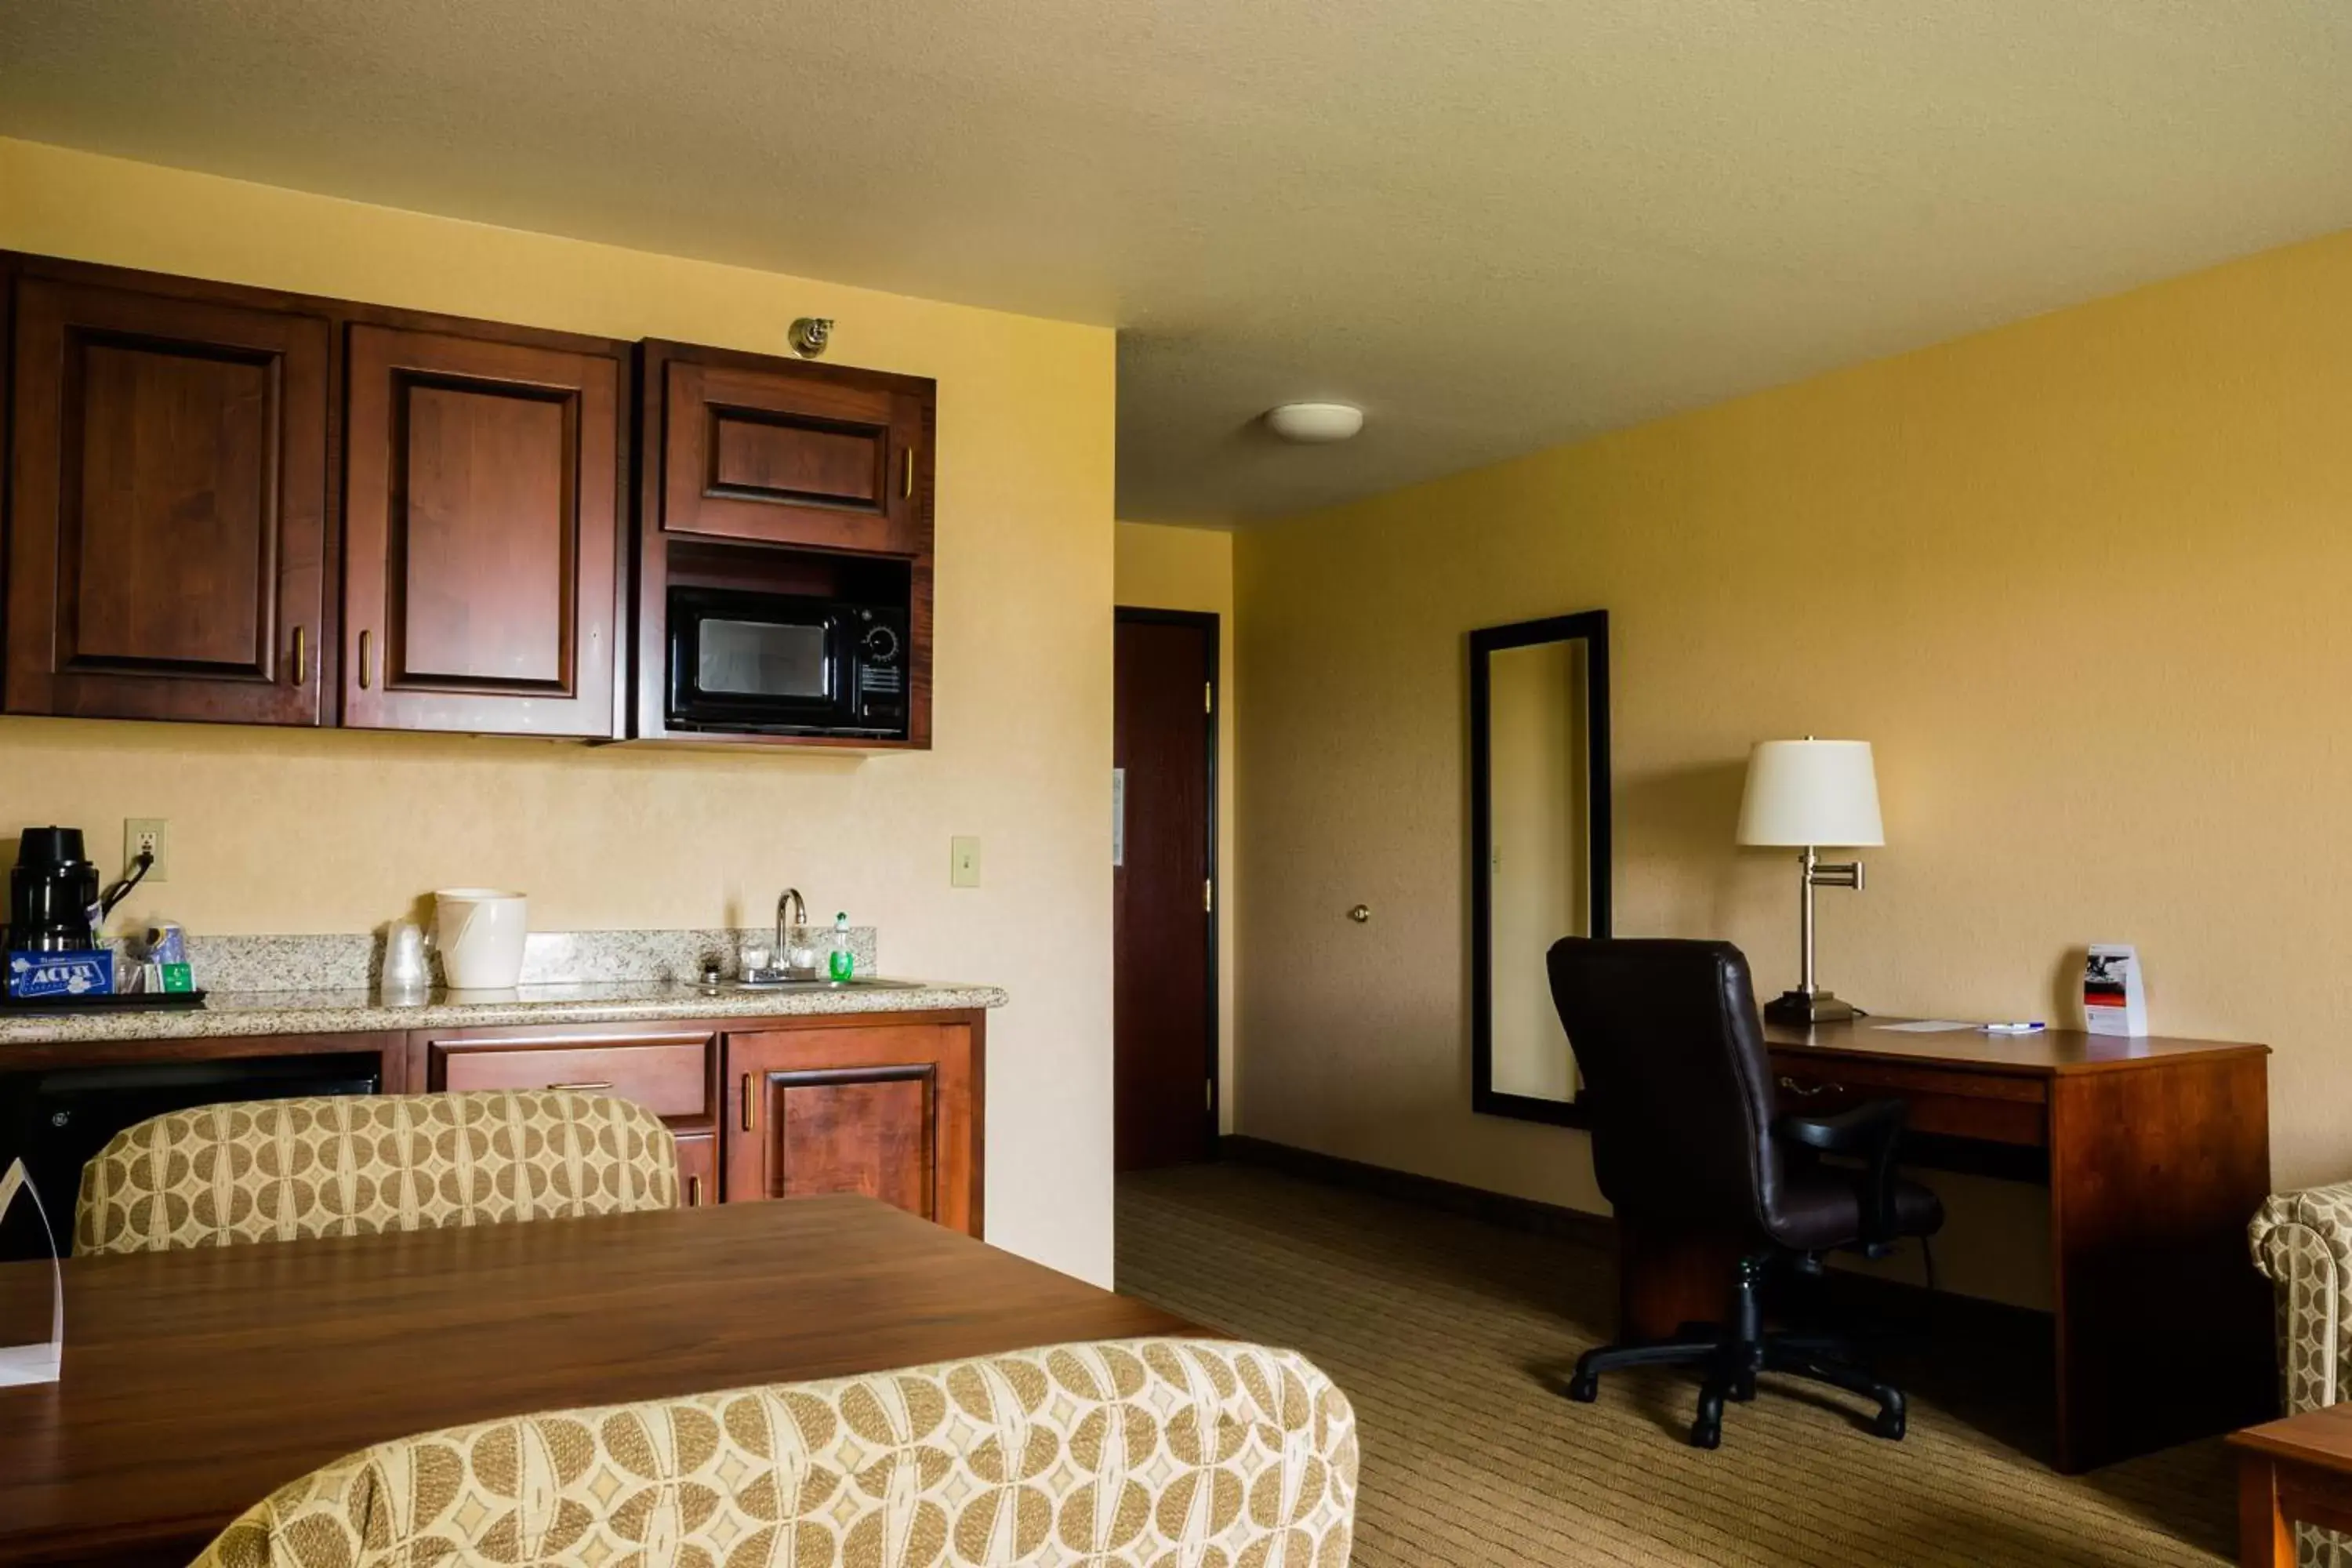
(890, 1109)
(887, 1105)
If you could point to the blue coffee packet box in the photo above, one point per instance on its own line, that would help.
(47, 975)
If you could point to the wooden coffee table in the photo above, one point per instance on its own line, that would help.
(2291, 1472)
(197, 1382)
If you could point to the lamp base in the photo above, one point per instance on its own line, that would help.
(1809, 1007)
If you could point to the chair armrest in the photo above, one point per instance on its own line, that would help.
(2301, 1242)
(1870, 1131)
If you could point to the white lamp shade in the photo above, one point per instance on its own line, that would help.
(1822, 793)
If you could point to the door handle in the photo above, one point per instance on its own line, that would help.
(694, 1191)
(907, 490)
(302, 656)
(751, 1106)
(367, 641)
(586, 1085)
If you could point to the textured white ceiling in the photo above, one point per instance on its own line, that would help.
(1495, 222)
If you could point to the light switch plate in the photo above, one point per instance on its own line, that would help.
(963, 862)
(147, 832)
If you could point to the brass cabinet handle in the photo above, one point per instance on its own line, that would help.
(1802, 1092)
(585, 1086)
(694, 1191)
(366, 643)
(750, 1105)
(302, 656)
(908, 488)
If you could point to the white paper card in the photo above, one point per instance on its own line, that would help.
(38, 1361)
(2114, 993)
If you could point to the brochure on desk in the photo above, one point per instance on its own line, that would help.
(38, 1361)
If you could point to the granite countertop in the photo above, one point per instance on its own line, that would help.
(357, 1009)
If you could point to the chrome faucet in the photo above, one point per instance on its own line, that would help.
(790, 899)
(791, 912)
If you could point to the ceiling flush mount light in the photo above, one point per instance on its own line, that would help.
(1313, 424)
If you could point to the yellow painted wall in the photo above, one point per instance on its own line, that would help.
(1164, 568)
(276, 831)
(2083, 582)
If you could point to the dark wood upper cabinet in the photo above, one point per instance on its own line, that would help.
(241, 505)
(168, 497)
(788, 452)
(786, 477)
(482, 527)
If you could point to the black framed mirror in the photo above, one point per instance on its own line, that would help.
(1540, 836)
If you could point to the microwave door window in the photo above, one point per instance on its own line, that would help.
(761, 658)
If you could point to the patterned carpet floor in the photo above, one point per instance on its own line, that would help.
(1451, 1335)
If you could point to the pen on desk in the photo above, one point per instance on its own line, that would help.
(2032, 1028)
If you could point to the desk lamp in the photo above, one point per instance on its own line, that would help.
(1805, 795)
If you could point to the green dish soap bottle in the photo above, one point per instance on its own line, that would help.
(841, 964)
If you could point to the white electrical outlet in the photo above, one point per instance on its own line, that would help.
(963, 862)
(151, 834)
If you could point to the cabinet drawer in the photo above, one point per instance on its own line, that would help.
(667, 1078)
(1987, 1107)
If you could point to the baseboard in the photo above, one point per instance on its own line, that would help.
(1497, 1208)
(1898, 1299)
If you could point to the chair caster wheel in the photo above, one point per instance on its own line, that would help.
(1889, 1425)
(1744, 1390)
(1706, 1434)
(1585, 1387)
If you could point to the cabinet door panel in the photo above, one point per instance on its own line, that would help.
(168, 484)
(886, 1110)
(784, 456)
(844, 1131)
(473, 457)
(698, 1170)
(482, 527)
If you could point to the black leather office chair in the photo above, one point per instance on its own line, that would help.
(1684, 1138)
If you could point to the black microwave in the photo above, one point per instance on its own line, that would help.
(776, 664)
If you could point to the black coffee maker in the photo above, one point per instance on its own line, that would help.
(53, 897)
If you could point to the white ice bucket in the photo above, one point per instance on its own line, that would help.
(479, 932)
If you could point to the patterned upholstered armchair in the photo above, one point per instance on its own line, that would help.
(281, 1170)
(1130, 1452)
(2303, 1243)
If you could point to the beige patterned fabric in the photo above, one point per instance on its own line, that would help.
(1133, 1453)
(2303, 1243)
(281, 1170)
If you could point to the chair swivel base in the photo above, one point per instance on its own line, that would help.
(1733, 1354)
(1731, 1370)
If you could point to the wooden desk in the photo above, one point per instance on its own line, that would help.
(2156, 1153)
(197, 1382)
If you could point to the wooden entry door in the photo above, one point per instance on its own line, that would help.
(1163, 919)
